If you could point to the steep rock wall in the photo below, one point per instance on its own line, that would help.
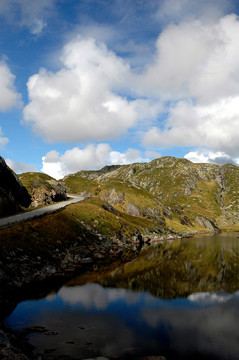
(13, 195)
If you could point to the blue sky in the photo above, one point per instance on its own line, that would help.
(85, 83)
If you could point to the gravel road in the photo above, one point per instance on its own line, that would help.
(8, 221)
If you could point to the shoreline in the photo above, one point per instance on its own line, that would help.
(56, 270)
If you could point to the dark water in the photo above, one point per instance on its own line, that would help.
(179, 300)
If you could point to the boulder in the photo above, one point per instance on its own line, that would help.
(113, 197)
(151, 213)
(132, 209)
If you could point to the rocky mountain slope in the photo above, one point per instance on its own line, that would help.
(174, 193)
(13, 195)
(42, 188)
(166, 195)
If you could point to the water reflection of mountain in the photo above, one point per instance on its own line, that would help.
(183, 267)
(200, 321)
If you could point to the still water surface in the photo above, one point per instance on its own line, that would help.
(179, 300)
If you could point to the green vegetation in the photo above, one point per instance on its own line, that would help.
(168, 195)
(108, 223)
(34, 179)
(184, 189)
(76, 184)
(181, 268)
(69, 224)
(231, 189)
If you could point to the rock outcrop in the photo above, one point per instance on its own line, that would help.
(208, 224)
(43, 189)
(132, 209)
(44, 196)
(113, 197)
(13, 195)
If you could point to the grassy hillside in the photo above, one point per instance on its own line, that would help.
(170, 190)
(32, 180)
(76, 184)
(71, 224)
(165, 196)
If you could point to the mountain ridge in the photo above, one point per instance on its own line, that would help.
(165, 195)
(198, 189)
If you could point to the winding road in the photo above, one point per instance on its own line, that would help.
(8, 221)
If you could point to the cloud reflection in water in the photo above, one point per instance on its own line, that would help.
(118, 321)
(95, 296)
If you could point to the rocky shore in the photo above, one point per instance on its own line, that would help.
(21, 271)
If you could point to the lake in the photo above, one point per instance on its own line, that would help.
(177, 299)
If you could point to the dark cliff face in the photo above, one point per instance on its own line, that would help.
(13, 195)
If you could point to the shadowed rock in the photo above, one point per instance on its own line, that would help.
(106, 206)
(13, 195)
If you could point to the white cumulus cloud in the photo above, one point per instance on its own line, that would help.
(9, 96)
(214, 126)
(196, 60)
(89, 158)
(80, 101)
(196, 72)
(208, 156)
(130, 156)
(187, 96)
